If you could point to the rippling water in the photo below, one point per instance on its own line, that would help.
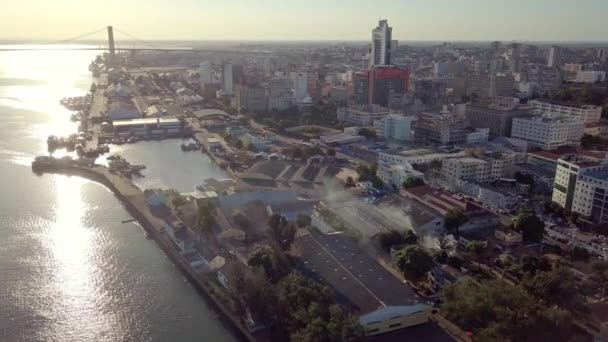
(69, 270)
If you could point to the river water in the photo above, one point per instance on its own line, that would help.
(69, 269)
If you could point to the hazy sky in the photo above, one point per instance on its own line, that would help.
(309, 19)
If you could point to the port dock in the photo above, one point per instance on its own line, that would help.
(133, 199)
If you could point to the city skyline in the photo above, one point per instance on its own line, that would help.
(415, 20)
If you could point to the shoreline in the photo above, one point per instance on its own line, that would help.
(126, 192)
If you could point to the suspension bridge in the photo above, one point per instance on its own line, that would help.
(112, 47)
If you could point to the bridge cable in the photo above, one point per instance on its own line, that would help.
(77, 37)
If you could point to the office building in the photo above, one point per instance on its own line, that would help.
(238, 74)
(591, 195)
(440, 128)
(363, 115)
(476, 169)
(553, 59)
(395, 127)
(432, 91)
(375, 85)
(280, 96)
(387, 79)
(548, 131)
(515, 57)
(300, 86)
(586, 113)
(251, 99)
(414, 156)
(205, 74)
(227, 80)
(590, 76)
(380, 53)
(497, 116)
(573, 67)
(601, 55)
(490, 85)
(570, 169)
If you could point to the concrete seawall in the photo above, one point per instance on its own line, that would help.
(126, 191)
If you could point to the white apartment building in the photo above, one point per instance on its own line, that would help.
(417, 156)
(395, 127)
(548, 131)
(590, 195)
(363, 115)
(587, 113)
(479, 170)
(581, 185)
(478, 135)
(590, 76)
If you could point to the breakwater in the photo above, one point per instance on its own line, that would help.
(133, 200)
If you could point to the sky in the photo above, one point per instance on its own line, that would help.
(412, 20)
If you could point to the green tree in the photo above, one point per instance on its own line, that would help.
(303, 220)
(309, 313)
(241, 220)
(579, 254)
(497, 311)
(387, 239)
(412, 182)
(474, 247)
(283, 232)
(350, 182)
(270, 262)
(414, 261)
(368, 133)
(454, 219)
(555, 287)
(205, 217)
(531, 227)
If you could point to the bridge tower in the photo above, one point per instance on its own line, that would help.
(111, 41)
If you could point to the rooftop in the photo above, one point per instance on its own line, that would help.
(202, 113)
(563, 103)
(359, 280)
(599, 175)
(391, 312)
(145, 121)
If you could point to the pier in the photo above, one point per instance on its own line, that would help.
(134, 200)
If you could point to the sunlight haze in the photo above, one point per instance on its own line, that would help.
(310, 20)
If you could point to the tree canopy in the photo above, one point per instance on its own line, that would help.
(412, 182)
(414, 261)
(270, 262)
(531, 227)
(454, 219)
(283, 232)
(497, 311)
(392, 237)
(310, 314)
